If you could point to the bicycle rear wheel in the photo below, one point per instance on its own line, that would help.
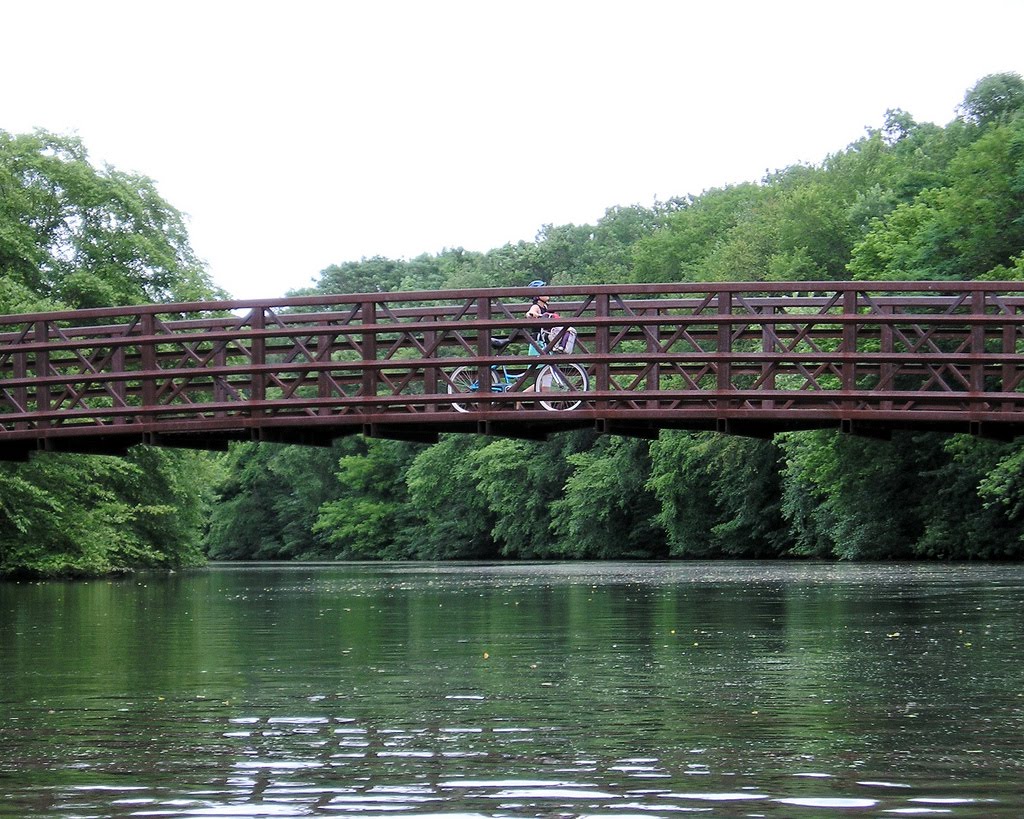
(463, 381)
(562, 378)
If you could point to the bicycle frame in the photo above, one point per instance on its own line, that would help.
(506, 379)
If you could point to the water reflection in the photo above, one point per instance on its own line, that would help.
(493, 691)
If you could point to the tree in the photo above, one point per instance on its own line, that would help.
(997, 98)
(719, 496)
(608, 510)
(80, 515)
(73, 236)
(961, 520)
(375, 275)
(966, 229)
(268, 500)
(859, 499)
(79, 237)
(371, 514)
(455, 519)
(691, 235)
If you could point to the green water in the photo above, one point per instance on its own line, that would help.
(598, 690)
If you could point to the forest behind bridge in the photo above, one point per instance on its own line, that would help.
(904, 201)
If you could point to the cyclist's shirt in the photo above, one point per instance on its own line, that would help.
(541, 336)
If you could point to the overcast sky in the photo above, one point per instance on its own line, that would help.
(305, 133)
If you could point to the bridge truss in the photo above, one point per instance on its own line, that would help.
(733, 357)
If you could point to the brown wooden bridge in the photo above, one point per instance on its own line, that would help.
(733, 357)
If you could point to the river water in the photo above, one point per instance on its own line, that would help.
(567, 690)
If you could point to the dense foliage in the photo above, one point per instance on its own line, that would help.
(906, 201)
(73, 236)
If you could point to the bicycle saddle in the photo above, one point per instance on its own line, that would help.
(500, 343)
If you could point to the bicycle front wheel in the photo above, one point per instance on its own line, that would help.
(562, 378)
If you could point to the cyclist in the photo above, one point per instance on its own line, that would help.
(539, 309)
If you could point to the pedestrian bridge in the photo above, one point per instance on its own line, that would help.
(738, 358)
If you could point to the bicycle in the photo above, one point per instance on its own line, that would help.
(557, 377)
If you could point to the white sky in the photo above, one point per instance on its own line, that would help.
(303, 133)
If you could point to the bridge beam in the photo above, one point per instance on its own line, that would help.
(994, 432)
(739, 358)
(298, 436)
(211, 441)
(609, 426)
(92, 445)
(511, 429)
(861, 430)
(395, 432)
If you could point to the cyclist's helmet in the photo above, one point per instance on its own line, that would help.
(538, 283)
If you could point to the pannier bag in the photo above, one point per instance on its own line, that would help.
(566, 343)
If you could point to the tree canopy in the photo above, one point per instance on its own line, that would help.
(905, 200)
(73, 236)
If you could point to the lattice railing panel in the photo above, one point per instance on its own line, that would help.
(659, 352)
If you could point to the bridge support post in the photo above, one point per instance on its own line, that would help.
(322, 355)
(20, 394)
(602, 343)
(848, 346)
(887, 369)
(1010, 377)
(483, 349)
(977, 371)
(368, 316)
(654, 346)
(44, 395)
(147, 360)
(429, 372)
(258, 352)
(723, 354)
(220, 385)
(769, 343)
(118, 387)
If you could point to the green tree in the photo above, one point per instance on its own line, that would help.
(74, 236)
(443, 490)
(371, 515)
(608, 510)
(268, 500)
(960, 521)
(867, 498)
(692, 234)
(523, 484)
(374, 275)
(719, 496)
(969, 228)
(80, 515)
(80, 237)
(996, 98)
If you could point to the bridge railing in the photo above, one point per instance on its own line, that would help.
(767, 356)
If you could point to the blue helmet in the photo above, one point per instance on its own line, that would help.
(536, 283)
